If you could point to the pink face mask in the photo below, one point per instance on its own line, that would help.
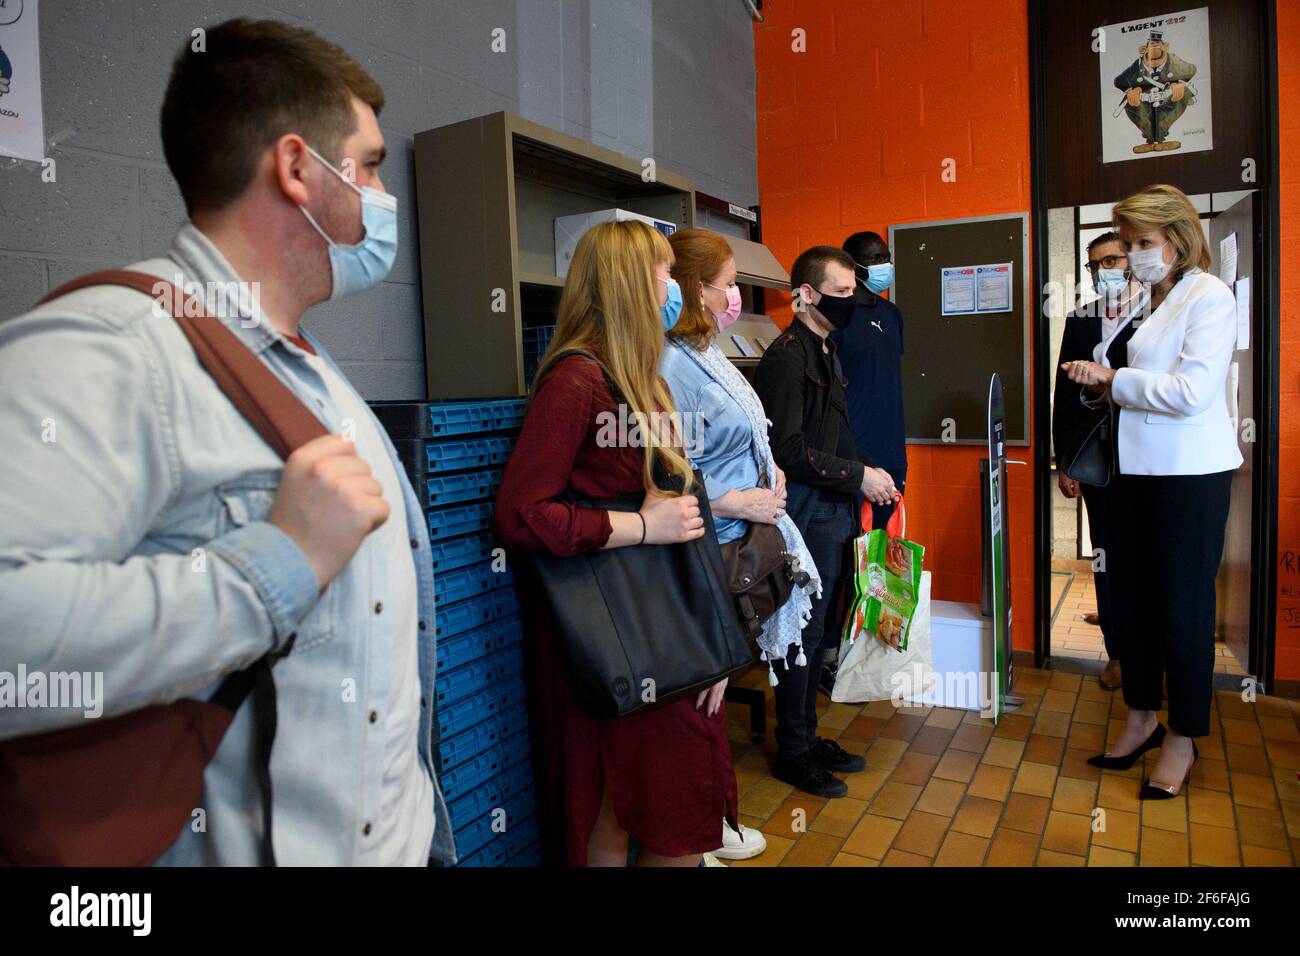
(727, 319)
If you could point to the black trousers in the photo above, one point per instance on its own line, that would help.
(1166, 542)
(1097, 502)
(827, 537)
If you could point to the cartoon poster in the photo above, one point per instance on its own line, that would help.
(22, 131)
(1155, 86)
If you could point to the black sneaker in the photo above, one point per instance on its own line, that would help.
(808, 775)
(835, 758)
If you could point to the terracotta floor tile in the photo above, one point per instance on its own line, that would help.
(1092, 712)
(886, 753)
(864, 728)
(1243, 758)
(1210, 807)
(1252, 790)
(957, 765)
(1279, 728)
(1210, 774)
(1087, 737)
(794, 815)
(1015, 726)
(1004, 752)
(1165, 814)
(1061, 680)
(813, 849)
(946, 717)
(1242, 731)
(872, 836)
(850, 859)
(1026, 813)
(1260, 856)
(903, 858)
(1214, 846)
(1104, 856)
(902, 727)
(1118, 792)
(1067, 833)
(914, 768)
(922, 833)
(1040, 748)
(993, 783)
(1284, 754)
(1261, 827)
(1075, 764)
(1117, 830)
(865, 785)
(1059, 701)
(962, 849)
(762, 799)
(839, 715)
(931, 740)
(895, 800)
(1162, 848)
(1291, 815)
(977, 816)
(971, 737)
(1012, 848)
(941, 797)
(1055, 858)
(879, 708)
(839, 816)
(777, 848)
(1052, 723)
(1038, 779)
(1075, 796)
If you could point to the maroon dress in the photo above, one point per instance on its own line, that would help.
(668, 771)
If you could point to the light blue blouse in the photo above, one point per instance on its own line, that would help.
(715, 430)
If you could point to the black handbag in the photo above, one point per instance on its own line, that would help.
(1094, 462)
(646, 624)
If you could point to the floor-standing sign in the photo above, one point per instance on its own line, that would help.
(1000, 679)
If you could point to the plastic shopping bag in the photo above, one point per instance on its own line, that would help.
(886, 581)
(869, 670)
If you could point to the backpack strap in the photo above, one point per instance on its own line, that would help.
(284, 423)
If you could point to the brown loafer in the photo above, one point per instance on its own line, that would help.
(1093, 618)
(1110, 678)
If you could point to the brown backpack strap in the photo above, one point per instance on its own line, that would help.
(270, 406)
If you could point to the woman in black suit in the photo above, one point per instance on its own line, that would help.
(1085, 328)
(1165, 373)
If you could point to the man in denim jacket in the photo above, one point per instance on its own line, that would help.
(149, 534)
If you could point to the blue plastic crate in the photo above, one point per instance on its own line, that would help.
(493, 854)
(483, 705)
(450, 619)
(461, 519)
(470, 486)
(445, 456)
(458, 748)
(508, 413)
(520, 835)
(495, 792)
(474, 773)
(479, 832)
(450, 554)
(461, 682)
(437, 419)
(474, 580)
(530, 856)
(471, 645)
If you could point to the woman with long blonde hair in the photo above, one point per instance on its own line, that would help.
(663, 776)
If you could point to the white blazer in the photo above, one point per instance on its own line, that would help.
(1173, 397)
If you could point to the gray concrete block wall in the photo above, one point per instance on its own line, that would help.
(668, 79)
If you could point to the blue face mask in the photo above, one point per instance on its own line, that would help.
(355, 268)
(1110, 282)
(671, 310)
(879, 277)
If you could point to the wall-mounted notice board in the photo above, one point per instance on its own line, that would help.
(949, 358)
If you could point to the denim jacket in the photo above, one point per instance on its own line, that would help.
(134, 543)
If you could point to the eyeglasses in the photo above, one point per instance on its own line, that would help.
(1107, 262)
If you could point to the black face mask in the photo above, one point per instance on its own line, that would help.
(837, 309)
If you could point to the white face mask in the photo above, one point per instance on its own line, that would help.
(1148, 265)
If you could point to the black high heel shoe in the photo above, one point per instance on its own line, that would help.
(1107, 762)
(1150, 791)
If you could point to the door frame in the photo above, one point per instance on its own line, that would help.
(1263, 604)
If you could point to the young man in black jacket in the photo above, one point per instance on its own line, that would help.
(802, 388)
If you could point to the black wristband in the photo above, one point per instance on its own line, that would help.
(642, 517)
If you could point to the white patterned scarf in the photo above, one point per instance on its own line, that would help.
(783, 629)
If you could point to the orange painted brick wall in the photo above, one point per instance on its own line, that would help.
(1288, 512)
(852, 135)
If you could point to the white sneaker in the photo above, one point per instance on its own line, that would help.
(745, 845)
(711, 860)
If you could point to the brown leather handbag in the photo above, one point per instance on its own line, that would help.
(761, 575)
(118, 791)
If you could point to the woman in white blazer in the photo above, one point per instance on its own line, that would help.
(1164, 373)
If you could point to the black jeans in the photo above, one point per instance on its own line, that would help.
(1166, 541)
(827, 537)
(1097, 501)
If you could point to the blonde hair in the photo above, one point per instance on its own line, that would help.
(1167, 208)
(700, 254)
(610, 309)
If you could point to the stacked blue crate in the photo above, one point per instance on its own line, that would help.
(454, 453)
(536, 339)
